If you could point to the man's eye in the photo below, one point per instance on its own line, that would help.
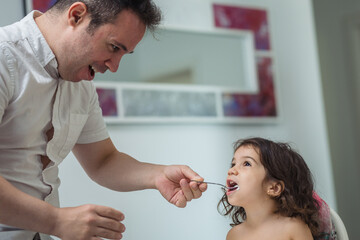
(115, 48)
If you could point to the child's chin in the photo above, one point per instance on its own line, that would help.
(233, 202)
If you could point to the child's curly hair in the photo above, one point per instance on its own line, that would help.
(283, 164)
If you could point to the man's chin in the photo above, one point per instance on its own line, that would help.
(76, 79)
(72, 80)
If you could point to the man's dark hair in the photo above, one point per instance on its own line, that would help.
(106, 11)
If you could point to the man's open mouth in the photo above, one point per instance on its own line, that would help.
(92, 71)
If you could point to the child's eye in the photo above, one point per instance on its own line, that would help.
(246, 163)
(232, 165)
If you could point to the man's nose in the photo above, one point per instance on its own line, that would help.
(113, 63)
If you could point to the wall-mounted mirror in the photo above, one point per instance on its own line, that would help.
(222, 58)
(222, 74)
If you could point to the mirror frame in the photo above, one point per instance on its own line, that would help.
(226, 105)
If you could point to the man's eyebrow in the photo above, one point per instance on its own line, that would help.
(120, 45)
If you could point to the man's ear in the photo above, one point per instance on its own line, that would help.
(76, 13)
(275, 188)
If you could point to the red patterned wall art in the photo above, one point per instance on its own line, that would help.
(254, 105)
(108, 101)
(263, 103)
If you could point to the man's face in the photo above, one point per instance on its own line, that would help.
(85, 54)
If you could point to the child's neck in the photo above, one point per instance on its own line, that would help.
(259, 213)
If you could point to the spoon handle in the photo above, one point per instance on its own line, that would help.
(219, 184)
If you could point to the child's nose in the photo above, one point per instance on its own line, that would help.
(232, 171)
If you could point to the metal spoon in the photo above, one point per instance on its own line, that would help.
(8, 229)
(219, 184)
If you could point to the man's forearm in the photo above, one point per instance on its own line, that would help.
(121, 172)
(115, 170)
(24, 211)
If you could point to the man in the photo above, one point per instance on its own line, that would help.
(48, 108)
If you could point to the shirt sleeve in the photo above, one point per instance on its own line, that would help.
(7, 66)
(94, 129)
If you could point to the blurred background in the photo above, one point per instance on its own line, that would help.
(315, 52)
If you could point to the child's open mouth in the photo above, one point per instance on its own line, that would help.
(232, 187)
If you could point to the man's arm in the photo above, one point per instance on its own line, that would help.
(24, 211)
(103, 163)
(77, 223)
(119, 171)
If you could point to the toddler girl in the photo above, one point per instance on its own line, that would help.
(271, 193)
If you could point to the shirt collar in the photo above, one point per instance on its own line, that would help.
(40, 47)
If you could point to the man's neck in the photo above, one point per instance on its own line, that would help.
(49, 28)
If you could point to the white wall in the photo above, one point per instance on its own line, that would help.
(207, 148)
(341, 94)
(10, 11)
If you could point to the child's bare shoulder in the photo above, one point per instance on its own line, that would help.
(296, 228)
(235, 232)
(293, 222)
(278, 228)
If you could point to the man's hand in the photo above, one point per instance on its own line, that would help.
(175, 186)
(89, 222)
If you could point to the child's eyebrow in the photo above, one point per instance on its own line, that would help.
(233, 160)
(251, 158)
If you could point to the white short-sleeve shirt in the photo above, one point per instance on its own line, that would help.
(32, 98)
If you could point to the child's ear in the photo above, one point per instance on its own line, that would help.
(275, 188)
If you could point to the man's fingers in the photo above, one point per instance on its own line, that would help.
(111, 224)
(181, 200)
(108, 224)
(192, 190)
(185, 187)
(190, 174)
(90, 222)
(108, 212)
(108, 227)
(197, 189)
(108, 234)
